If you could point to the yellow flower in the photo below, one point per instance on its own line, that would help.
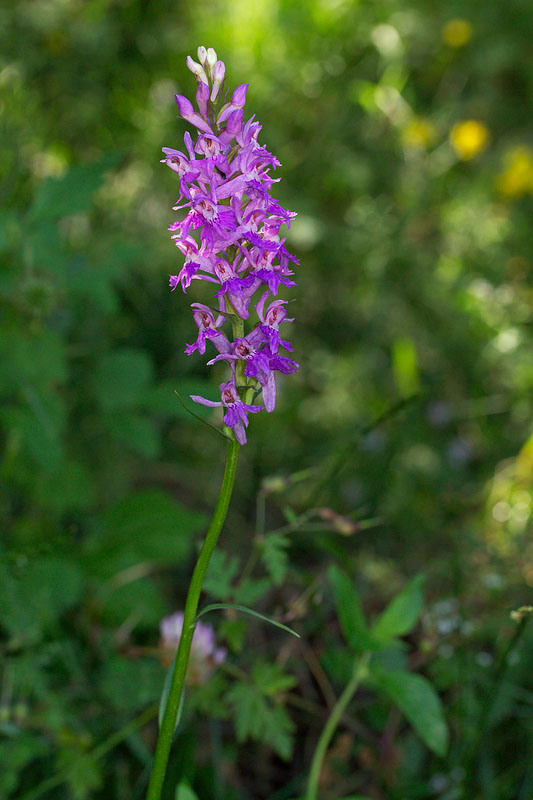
(457, 33)
(418, 133)
(516, 179)
(469, 138)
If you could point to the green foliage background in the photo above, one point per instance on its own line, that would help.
(412, 408)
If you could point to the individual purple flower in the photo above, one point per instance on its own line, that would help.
(271, 319)
(208, 327)
(239, 290)
(229, 232)
(260, 364)
(236, 414)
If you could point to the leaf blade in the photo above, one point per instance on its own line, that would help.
(349, 610)
(420, 703)
(245, 610)
(402, 613)
(184, 792)
(164, 696)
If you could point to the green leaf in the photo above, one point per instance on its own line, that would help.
(77, 490)
(36, 360)
(35, 595)
(249, 709)
(338, 663)
(165, 693)
(41, 442)
(130, 684)
(250, 611)
(53, 582)
(233, 631)
(58, 197)
(162, 399)
(349, 610)
(193, 414)
(402, 613)
(278, 732)
(405, 366)
(220, 573)
(184, 792)
(145, 527)
(138, 600)
(250, 591)
(274, 556)
(208, 698)
(83, 773)
(420, 703)
(271, 678)
(136, 431)
(256, 718)
(121, 378)
(16, 754)
(48, 250)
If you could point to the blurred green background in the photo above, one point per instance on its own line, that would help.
(404, 131)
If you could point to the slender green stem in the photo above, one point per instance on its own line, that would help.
(168, 724)
(359, 672)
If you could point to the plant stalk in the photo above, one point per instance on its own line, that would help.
(168, 724)
(359, 672)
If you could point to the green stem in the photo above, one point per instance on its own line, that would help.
(359, 672)
(166, 732)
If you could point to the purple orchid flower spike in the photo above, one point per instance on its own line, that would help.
(229, 233)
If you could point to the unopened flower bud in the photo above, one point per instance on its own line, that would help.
(197, 70)
(234, 123)
(237, 101)
(211, 57)
(239, 96)
(184, 106)
(188, 113)
(202, 98)
(219, 70)
(202, 55)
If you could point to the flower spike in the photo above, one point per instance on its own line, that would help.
(229, 235)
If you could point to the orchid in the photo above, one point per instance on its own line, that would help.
(229, 235)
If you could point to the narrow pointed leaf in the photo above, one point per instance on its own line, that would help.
(184, 792)
(349, 610)
(216, 606)
(402, 613)
(198, 417)
(420, 703)
(164, 696)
